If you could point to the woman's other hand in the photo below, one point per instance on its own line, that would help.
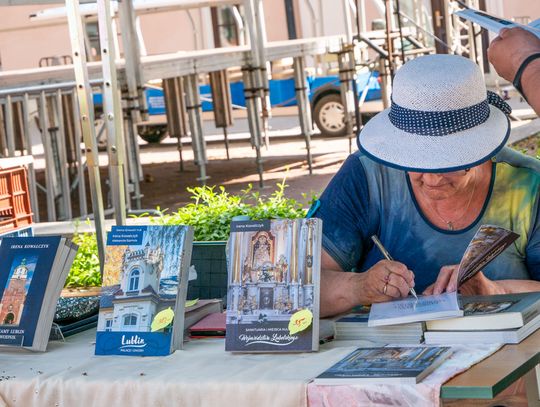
(479, 284)
(446, 281)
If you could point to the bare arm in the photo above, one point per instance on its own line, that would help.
(507, 51)
(341, 291)
(338, 289)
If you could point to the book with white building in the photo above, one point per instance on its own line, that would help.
(144, 290)
(273, 286)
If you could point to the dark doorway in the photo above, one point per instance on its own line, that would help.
(9, 319)
(439, 25)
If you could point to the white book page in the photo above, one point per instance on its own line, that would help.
(495, 24)
(410, 309)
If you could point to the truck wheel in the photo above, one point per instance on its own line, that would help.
(328, 115)
(153, 134)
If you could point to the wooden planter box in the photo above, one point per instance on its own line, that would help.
(210, 261)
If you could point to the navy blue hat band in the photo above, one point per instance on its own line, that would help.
(433, 123)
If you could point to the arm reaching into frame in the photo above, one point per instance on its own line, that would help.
(508, 51)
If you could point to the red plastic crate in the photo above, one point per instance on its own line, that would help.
(15, 210)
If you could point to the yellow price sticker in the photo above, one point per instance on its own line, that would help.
(162, 320)
(300, 321)
(191, 303)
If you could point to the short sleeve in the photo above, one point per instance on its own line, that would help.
(344, 210)
(533, 247)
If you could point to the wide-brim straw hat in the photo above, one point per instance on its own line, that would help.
(441, 118)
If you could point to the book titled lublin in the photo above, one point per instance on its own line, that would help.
(144, 290)
(390, 365)
(273, 286)
(33, 271)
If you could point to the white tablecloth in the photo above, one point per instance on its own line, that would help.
(202, 374)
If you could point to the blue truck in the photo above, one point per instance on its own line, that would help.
(324, 93)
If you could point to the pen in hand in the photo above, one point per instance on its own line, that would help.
(388, 257)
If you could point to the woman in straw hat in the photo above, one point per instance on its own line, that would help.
(431, 169)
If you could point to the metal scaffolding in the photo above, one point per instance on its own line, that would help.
(63, 98)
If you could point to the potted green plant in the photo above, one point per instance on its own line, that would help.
(210, 214)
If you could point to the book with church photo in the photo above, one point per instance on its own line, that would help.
(32, 274)
(487, 243)
(144, 290)
(273, 286)
(385, 365)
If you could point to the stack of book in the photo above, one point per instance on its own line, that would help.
(200, 309)
(32, 274)
(507, 318)
(211, 326)
(354, 326)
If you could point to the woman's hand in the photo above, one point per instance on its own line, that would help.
(446, 281)
(479, 284)
(385, 281)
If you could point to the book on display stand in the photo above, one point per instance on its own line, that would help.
(144, 290)
(273, 286)
(32, 274)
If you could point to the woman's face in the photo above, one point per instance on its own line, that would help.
(438, 186)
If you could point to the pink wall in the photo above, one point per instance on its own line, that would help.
(23, 43)
(513, 9)
(276, 20)
(169, 31)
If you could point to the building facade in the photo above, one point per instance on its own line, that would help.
(14, 296)
(134, 303)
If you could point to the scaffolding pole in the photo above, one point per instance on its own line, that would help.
(253, 104)
(304, 108)
(193, 105)
(134, 94)
(112, 112)
(87, 121)
(31, 170)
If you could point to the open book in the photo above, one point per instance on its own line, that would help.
(496, 24)
(487, 243)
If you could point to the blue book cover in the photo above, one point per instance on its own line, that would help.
(25, 268)
(144, 290)
(405, 365)
(273, 286)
